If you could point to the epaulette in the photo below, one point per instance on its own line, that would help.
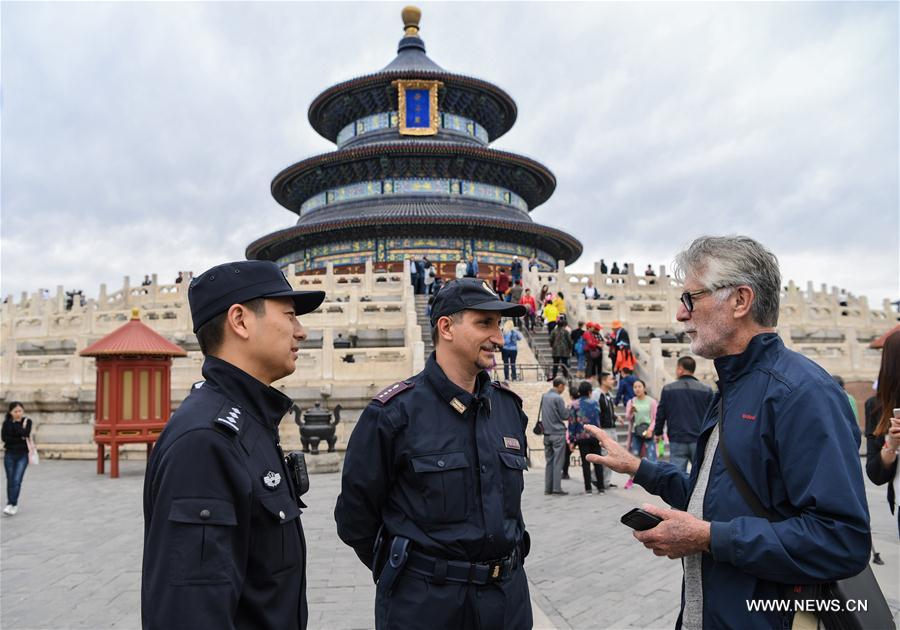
(389, 392)
(229, 416)
(507, 389)
(197, 385)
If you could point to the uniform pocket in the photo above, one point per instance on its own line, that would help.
(202, 540)
(513, 483)
(277, 539)
(442, 478)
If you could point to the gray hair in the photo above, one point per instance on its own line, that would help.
(727, 261)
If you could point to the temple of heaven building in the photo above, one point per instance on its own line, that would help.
(413, 175)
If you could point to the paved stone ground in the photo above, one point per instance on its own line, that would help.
(71, 558)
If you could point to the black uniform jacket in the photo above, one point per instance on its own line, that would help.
(438, 465)
(223, 543)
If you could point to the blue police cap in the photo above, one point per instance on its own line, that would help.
(216, 289)
(471, 293)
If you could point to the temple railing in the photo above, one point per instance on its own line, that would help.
(830, 326)
(42, 333)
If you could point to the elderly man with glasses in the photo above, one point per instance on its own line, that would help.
(775, 498)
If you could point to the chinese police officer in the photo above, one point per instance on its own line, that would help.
(432, 480)
(223, 543)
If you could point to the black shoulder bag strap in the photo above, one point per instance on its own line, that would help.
(538, 425)
(742, 486)
(861, 587)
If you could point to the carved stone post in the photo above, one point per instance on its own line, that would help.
(369, 278)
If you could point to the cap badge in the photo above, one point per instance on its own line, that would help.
(460, 408)
(272, 480)
(487, 287)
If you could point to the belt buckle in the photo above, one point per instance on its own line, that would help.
(495, 571)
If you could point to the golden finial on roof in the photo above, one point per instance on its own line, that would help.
(411, 16)
(135, 313)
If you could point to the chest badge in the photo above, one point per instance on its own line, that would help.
(460, 408)
(272, 480)
(511, 442)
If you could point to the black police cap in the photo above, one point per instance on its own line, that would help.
(471, 293)
(216, 289)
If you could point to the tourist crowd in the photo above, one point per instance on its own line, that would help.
(576, 352)
(681, 406)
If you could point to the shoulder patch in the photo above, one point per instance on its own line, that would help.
(197, 385)
(229, 416)
(507, 389)
(385, 395)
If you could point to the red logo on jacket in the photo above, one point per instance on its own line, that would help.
(747, 416)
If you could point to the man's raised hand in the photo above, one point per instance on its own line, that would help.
(617, 458)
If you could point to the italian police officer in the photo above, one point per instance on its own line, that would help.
(223, 542)
(432, 480)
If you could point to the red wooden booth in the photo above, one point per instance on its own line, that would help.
(134, 366)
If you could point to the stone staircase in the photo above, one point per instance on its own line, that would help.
(539, 341)
(540, 346)
(424, 323)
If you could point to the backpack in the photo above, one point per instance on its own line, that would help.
(579, 345)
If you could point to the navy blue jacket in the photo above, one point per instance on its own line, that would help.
(789, 430)
(446, 475)
(223, 543)
(683, 404)
(626, 389)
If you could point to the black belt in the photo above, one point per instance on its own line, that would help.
(440, 570)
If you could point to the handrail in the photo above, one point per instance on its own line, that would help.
(522, 369)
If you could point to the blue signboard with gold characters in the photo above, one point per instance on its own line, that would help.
(418, 107)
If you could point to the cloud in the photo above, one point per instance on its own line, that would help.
(142, 137)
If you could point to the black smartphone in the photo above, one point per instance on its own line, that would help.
(640, 520)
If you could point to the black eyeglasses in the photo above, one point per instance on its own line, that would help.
(687, 298)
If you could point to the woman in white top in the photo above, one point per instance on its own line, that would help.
(430, 274)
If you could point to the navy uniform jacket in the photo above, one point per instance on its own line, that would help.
(223, 543)
(791, 433)
(683, 404)
(437, 465)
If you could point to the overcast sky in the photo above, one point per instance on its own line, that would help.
(142, 138)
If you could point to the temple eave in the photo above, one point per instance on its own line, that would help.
(559, 244)
(327, 122)
(528, 178)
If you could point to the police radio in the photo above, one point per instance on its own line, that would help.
(295, 462)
